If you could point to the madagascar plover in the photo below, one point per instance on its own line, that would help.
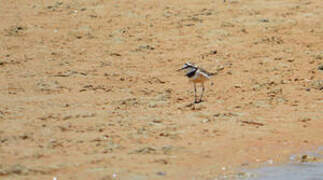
(196, 75)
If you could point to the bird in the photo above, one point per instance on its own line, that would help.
(196, 75)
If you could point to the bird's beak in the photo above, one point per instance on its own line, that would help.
(180, 69)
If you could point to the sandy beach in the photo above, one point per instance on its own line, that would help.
(89, 89)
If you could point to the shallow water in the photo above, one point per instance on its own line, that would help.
(300, 171)
(305, 166)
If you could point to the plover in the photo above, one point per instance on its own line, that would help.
(196, 75)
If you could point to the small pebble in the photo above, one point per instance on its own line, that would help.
(114, 175)
(270, 161)
(320, 67)
(160, 173)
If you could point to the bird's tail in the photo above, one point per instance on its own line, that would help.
(213, 73)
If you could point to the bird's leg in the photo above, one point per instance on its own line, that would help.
(195, 97)
(202, 92)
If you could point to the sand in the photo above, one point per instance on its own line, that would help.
(89, 89)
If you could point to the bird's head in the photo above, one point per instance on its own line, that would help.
(187, 65)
